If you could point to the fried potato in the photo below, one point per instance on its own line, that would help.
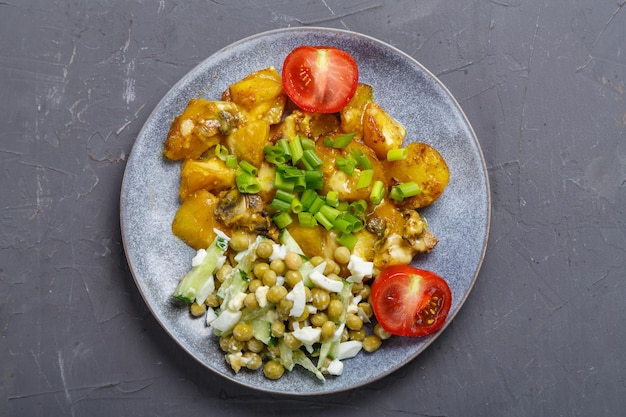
(212, 175)
(425, 166)
(200, 126)
(381, 132)
(344, 184)
(260, 94)
(195, 220)
(352, 114)
(247, 142)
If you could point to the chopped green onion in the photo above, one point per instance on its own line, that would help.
(397, 154)
(343, 206)
(308, 144)
(289, 172)
(347, 239)
(332, 198)
(306, 219)
(284, 196)
(316, 205)
(310, 158)
(231, 161)
(307, 198)
(283, 145)
(401, 191)
(221, 152)
(357, 227)
(396, 194)
(365, 179)
(410, 189)
(306, 165)
(271, 150)
(274, 155)
(247, 183)
(295, 147)
(314, 179)
(358, 207)
(280, 205)
(248, 167)
(330, 212)
(296, 205)
(356, 224)
(323, 220)
(343, 225)
(281, 183)
(361, 159)
(341, 141)
(282, 220)
(347, 164)
(378, 192)
(276, 159)
(299, 184)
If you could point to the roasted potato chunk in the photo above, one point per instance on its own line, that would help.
(424, 166)
(200, 126)
(308, 125)
(352, 114)
(365, 245)
(212, 175)
(314, 241)
(381, 132)
(344, 184)
(247, 142)
(399, 235)
(195, 220)
(260, 94)
(266, 176)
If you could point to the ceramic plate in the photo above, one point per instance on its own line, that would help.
(403, 87)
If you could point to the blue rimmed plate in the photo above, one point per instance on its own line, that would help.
(404, 88)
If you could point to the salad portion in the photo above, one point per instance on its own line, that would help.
(301, 199)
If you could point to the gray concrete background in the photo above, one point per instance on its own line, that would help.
(543, 84)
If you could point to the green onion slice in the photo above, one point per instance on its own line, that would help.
(378, 192)
(340, 141)
(397, 154)
(361, 159)
(282, 220)
(365, 178)
(401, 191)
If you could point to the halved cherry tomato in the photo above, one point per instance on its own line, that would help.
(408, 301)
(320, 79)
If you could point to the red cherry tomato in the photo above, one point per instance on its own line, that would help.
(320, 79)
(408, 301)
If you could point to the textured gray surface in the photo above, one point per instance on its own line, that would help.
(542, 84)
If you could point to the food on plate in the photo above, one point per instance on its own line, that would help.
(298, 195)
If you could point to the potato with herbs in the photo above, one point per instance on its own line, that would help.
(308, 125)
(352, 114)
(381, 132)
(247, 142)
(200, 126)
(206, 174)
(260, 94)
(346, 181)
(423, 165)
(195, 220)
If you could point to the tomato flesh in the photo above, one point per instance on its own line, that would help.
(320, 79)
(408, 301)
